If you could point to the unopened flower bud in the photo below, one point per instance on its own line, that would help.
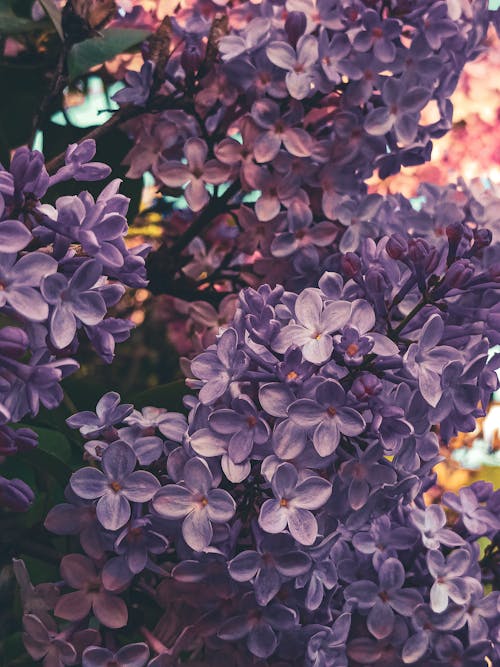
(295, 26)
(397, 247)
(351, 264)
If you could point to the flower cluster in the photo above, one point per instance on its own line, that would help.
(270, 117)
(283, 521)
(62, 268)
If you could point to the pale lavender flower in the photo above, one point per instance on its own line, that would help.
(314, 324)
(19, 283)
(299, 64)
(197, 503)
(131, 655)
(115, 486)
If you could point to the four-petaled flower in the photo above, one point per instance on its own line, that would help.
(197, 503)
(292, 504)
(118, 484)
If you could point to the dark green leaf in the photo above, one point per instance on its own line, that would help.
(95, 51)
(11, 24)
(163, 396)
(53, 443)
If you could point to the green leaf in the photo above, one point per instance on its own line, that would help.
(54, 13)
(11, 24)
(95, 51)
(163, 396)
(52, 442)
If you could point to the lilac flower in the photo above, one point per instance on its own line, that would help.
(431, 523)
(136, 541)
(449, 581)
(477, 519)
(276, 561)
(138, 86)
(378, 35)
(197, 173)
(328, 415)
(19, 281)
(479, 610)
(132, 655)
(218, 367)
(302, 232)
(44, 642)
(80, 573)
(315, 322)
(276, 130)
(108, 412)
(78, 164)
(383, 540)
(381, 601)
(293, 500)
(401, 112)
(426, 359)
(243, 423)
(198, 503)
(115, 486)
(298, 63)
(258, 626)
(73, 301)
(326, 647)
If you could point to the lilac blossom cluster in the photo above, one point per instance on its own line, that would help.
(62, 268)
(272, 139)
(283, 522)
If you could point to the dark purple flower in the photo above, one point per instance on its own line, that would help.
(276, 561)
(80, 572)
(381, 601)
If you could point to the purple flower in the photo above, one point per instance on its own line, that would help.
(73, 301)
(132, 655)
(15, 494)
(431, 523)
(276, 561)
(426, 359)
(138, 86)
(326, 648)
(245, 426)
(378, 35)
(45, 642)
(302, 231)
(477, 519)
(299, 64)
(381, 601)
(258, 626)
(197, 503)
(115, 486)
(80, 573)
(402, 111)
(196, 173)
(276, 129)
(315, 321)
(220, 366)
(293, 500)
(449, 581)
(478, 610)
(19, 281)
(328, 415)
(383, 540)
(108, 412)
(136, 541)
